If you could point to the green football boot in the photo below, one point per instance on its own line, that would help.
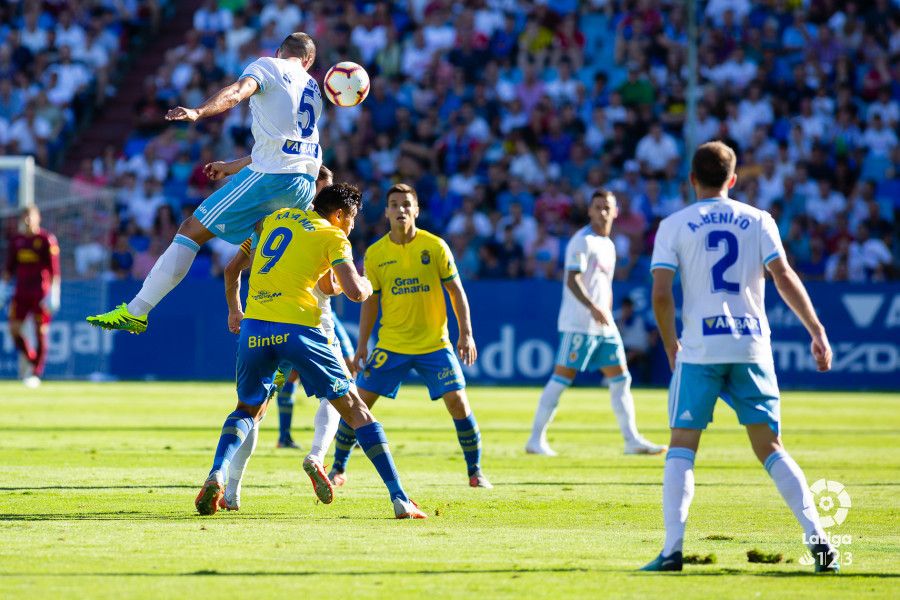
(119, 319)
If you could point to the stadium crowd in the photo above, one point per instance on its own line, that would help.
(506, 114)
(56, 62)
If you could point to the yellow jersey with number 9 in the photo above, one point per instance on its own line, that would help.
(296, 248)
(409, 279)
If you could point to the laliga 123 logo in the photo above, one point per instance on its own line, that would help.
(832, 500)
(833, 503)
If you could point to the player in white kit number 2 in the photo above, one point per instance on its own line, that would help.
(285, 105)
(721, 248)
(589, 339)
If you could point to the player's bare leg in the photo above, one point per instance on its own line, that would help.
(42, 330)
(469, 435)
(371, 438)
(166, 274)
(561, 379)
(792, 485)
(344, 441)
(623, 407)
(23, 347)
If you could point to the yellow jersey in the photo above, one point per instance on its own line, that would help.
(409, 279)
(296, 248)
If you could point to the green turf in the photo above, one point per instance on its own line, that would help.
(97, 483)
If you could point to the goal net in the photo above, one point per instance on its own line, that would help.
(82, 217)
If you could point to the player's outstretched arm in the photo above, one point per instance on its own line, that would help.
(226, 98)
(794, 295)
(465, 346)
(232, 278)
(664, 311)
(219, 169)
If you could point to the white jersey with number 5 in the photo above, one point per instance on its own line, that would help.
(594, 256)
(720, 247)
(285, 111)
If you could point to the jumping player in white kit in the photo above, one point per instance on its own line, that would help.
(285, 104)
(721, 248)
(589, 339)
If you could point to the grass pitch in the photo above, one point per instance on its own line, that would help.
(97, 483)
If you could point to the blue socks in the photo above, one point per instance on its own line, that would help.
(343, 445)
(285, 411)
(236, 427)
(470, 441)
(373, 441)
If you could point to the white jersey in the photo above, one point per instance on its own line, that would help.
(325, 306)
(721, 248)
(594, 256)
(285, 111)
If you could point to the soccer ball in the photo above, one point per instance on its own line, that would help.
(346, 84)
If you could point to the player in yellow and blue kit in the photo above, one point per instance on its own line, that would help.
(409, 269)
(282, 324)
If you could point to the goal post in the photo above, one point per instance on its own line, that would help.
(83, 218)
(25, 166)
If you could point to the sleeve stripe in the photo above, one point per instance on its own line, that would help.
(451, 278)
(338, 261)
(374, 291)
(256, 79)
(576, 268)
(662, 265)
(771, 257)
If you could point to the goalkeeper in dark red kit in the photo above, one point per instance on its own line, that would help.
(33, 261)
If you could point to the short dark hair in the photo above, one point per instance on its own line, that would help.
(627, 301)
(401, 188)
(325, 174)
(602, 193)
(298, 45)
(338, 196)
(713, 164)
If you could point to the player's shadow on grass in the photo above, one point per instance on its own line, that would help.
(184, 486)
(510, 571)
(119, 515)
(125, 515)
(787, 574)
(562, 484)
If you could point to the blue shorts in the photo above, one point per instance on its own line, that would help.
(750, 389)
(285, 367)
(232, 211)
(386, 370)
(263, 346)
(584, 352)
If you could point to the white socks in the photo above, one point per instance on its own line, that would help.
(326, 424)
(678, 491)
(167, 273)
(623, 406)
(791, 483)
(239, 463)
(547, 408)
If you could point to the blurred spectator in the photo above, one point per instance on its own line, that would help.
(639, 337)
(505, 115)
